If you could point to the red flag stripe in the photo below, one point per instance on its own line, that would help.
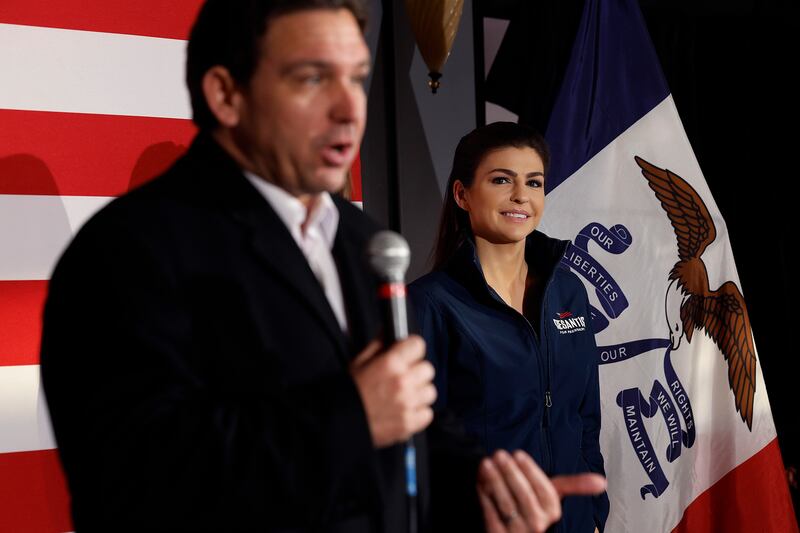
(83, 154)
(355, 180)
(33, 493)
(752, 497)
(152, 18)
(21, 305)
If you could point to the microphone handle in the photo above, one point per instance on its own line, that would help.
(395, 328)
(395, 315)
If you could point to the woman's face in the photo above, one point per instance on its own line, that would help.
(506, 199)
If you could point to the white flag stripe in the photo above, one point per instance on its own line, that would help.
(34, 230)
(23, 413)
(46, 69)
(723, 441)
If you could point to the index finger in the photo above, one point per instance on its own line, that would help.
(587, 484)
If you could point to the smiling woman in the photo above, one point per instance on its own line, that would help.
(508, 377)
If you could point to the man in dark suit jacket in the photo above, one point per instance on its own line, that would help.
(206, 352)
(198, 376)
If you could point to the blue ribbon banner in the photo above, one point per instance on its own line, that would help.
(622, 352)
(669, 400)
(634, 405)
(682, 399)
(615, 240)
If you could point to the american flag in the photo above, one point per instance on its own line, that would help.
(92, 103)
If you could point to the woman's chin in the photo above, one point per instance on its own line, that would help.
(506, 238)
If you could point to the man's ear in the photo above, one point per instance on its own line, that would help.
(223, 96)
(460, 195)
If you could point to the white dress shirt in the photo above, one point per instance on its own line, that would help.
(316, 242)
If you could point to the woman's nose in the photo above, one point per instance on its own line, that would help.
(519, 194)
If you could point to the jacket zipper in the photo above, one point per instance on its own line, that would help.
(547, 453)
(544, 423)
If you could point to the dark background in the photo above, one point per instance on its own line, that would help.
(732, 68)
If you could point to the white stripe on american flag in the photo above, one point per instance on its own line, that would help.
(48, 69)
(35, 229)
(23, 413)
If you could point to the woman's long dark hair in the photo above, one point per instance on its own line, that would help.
(454, 225)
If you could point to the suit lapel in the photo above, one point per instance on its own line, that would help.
(278, 251)
(357, 281)
(271, 242)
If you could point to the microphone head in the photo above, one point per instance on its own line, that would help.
(389, 255)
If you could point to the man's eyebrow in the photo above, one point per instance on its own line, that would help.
(305, 63)
(317, 64)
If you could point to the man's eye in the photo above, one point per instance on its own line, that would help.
(499, 180)
(309, 78)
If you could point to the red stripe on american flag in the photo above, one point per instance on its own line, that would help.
(152, 18)
(21, 304)
(78, 154)
(33, 493)
(355, 180)
(754, 496)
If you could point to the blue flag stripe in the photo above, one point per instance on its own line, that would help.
(612, 80)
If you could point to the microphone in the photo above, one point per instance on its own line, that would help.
(389, 257)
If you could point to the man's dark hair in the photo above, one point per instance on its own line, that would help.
(228, 33)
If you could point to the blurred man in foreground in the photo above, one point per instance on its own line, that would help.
(207, 353)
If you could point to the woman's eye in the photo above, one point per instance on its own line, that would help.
(535, 183)
(500, 180)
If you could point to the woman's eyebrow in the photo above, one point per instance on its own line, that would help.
(504, 171)
(514, 174)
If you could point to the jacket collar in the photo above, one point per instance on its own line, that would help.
(542, 254)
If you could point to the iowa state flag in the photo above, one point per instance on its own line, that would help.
(687, 434)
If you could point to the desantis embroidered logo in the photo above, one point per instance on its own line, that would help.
(566, 323)
(689, 303)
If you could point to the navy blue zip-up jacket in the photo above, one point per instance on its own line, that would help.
(513, 386)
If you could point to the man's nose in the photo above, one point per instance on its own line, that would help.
(348, 101)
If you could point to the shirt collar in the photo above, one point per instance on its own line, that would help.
(325, 216)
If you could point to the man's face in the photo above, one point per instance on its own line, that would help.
(302, 115)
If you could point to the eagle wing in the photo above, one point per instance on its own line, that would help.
(687, 212)
(723, 316)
